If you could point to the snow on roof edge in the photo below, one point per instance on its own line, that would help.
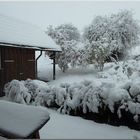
(28, 47)
(11, 32)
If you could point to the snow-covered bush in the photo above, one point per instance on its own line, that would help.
(116, 96)
(23, 92)
(16, 91)
(110, 102)
(108, 99)
(120, 72)
(50, 96)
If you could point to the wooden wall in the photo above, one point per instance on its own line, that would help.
(17, 63)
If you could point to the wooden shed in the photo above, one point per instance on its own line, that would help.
(18, 42)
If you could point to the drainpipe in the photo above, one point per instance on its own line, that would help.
(36, 63)
(53, 65)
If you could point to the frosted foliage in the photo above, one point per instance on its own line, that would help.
(120, 72)
(74, 102)
(127, 85)
(32, 87)
(50, 96)
(91, 101)
(72, 55)
(73, 99)
(63, 32)
(116, 95)
(23, 91)
(135, 89)
(83, 95)
(134, 108)
(17, 92)
(60, 96)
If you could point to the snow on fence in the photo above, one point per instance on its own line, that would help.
(117, 105)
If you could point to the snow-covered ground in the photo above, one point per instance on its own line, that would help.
(70, 127)
(78, 74)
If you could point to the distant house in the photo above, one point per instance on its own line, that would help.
(18, 42)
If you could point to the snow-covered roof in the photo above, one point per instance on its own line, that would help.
(19, 120)
(18, 33)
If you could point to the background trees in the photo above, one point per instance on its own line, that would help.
(107, 38)
(111, 37)
(67, 36)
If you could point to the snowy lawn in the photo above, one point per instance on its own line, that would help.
(45, 73)
(70, 127)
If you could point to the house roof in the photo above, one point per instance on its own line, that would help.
(17, 33)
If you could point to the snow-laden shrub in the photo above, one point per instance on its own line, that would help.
(50, 96)
(116, 96)
(115, 72)
(78, 96)
(133, 88)
(32, 87)
(73, 99)
(106, 100)
(44, 97)
(16, 91)
(134, 108)
(130, 107)
(23, 91)
(121, 72)
(90, 97)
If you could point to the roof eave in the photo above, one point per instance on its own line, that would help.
(28, 47)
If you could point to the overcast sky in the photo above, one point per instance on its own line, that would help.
(80, 13)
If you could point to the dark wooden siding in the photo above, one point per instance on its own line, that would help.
(28, 64)
(1, 72)
(17, 63)
(10, 65)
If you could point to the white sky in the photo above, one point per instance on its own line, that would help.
(79, 13)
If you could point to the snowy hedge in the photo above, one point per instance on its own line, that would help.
(112, 104)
